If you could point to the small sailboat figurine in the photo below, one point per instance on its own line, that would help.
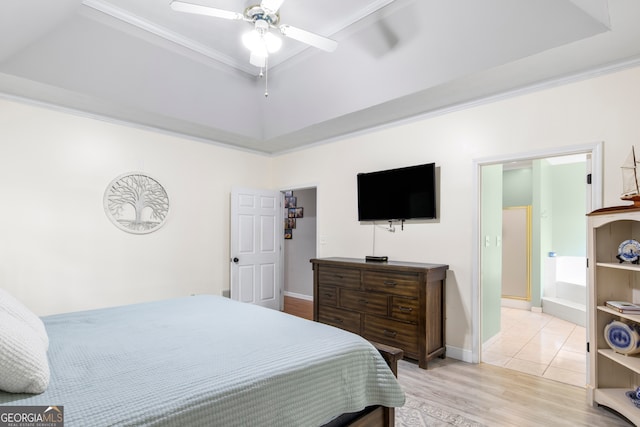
(631, 179)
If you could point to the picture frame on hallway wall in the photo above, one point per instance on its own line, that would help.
(290, 202)
(295, 212)
(291, 213)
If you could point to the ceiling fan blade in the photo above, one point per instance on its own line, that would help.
(272, 5)
(205, 10)
(312, 39)
(257, 60)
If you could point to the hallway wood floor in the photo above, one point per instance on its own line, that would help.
(493, 396)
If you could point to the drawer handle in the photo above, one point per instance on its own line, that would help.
(391, 283)
(405, 309)
(328, 294)
(391, 334)
(363, 301)
(339, 276)
(338, 320)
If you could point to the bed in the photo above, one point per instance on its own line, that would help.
(207, 360)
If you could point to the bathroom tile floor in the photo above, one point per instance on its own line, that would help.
(539, 344)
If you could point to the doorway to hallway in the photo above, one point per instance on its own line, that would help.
(299, 246)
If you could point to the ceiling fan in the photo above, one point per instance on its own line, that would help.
(264, 17)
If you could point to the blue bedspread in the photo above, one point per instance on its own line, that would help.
(206, 361)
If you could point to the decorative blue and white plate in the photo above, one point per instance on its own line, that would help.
(634, 395)
(622, 337)
(629, 251)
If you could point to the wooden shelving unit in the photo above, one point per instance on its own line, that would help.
(612, 374)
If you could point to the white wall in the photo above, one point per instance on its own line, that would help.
(599, 109)
(58, 250)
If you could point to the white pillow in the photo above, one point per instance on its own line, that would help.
(18, 310)
(24, 367)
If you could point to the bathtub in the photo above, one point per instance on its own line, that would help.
(565, 288)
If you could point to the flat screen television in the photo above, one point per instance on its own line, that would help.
(398, 194)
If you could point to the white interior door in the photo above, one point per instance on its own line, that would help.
(256, 234)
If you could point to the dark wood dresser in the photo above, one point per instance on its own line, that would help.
(401, 304)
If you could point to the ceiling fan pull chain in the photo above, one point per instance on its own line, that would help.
(266, 77)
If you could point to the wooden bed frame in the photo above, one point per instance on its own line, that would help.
(374, 416)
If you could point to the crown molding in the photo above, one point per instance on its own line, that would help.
(165, 33)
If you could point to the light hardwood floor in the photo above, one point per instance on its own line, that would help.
(494, 396)
(490, 395)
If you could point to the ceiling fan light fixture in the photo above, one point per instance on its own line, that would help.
(252, 41)
(273, 43)
(258, 61)
(265, 16)
(261, 43)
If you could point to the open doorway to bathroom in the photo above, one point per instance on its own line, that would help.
(533, 265)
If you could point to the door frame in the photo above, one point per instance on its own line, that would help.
(594, 149)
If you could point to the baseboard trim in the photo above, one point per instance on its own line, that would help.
(298, 296)
(460, 354)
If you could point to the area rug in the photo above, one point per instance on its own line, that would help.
(417, 412)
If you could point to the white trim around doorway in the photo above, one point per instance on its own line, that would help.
(594, 149)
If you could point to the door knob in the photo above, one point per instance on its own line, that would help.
(235, 259)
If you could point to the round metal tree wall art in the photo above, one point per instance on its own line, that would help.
(136, 203)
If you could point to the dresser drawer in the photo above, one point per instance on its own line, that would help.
(405, 309)
(328, 295)
(336, 276)
(397, 303)
(364, 301)
(342, 319)
(392, 332)
(405, 284)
